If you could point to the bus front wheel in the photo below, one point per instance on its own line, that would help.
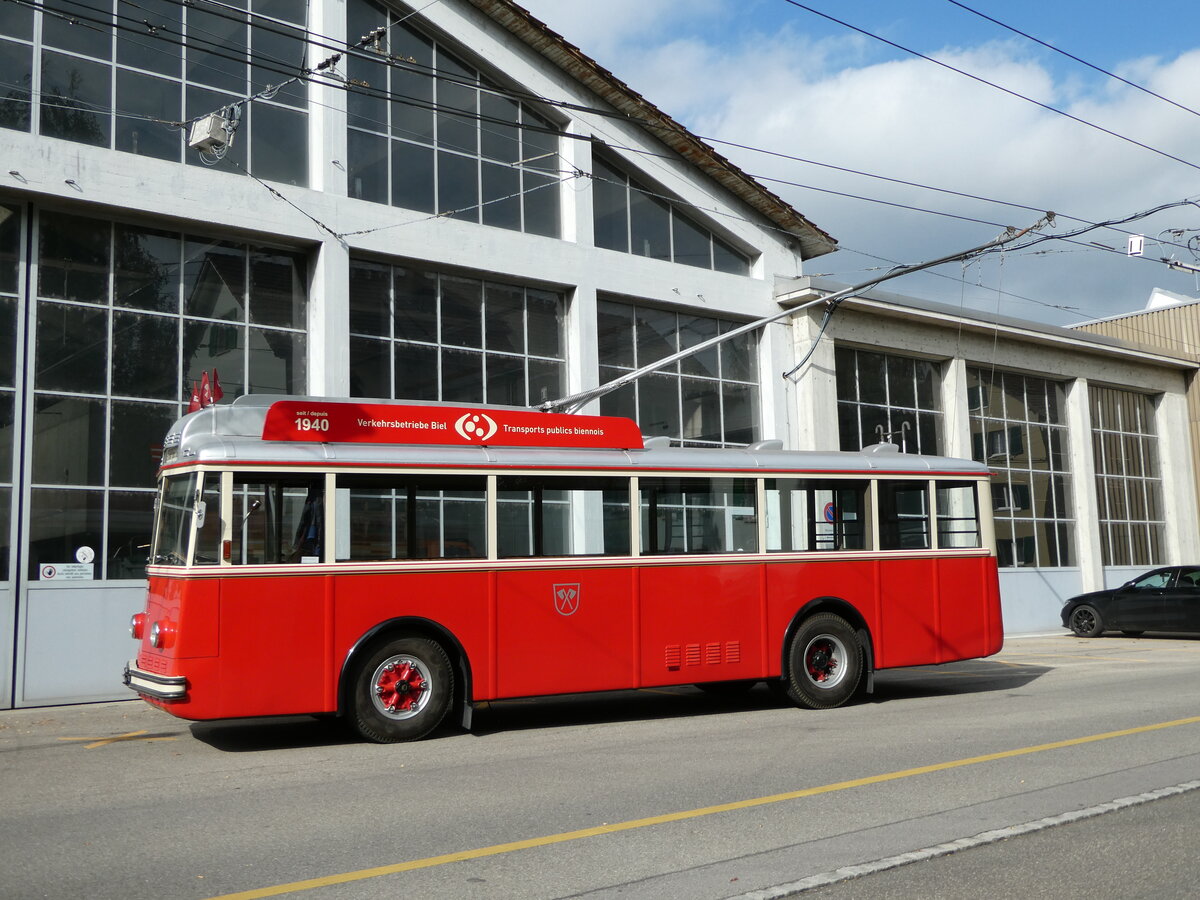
(402, 690)
(825, 663)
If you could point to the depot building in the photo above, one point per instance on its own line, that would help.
(410, 220)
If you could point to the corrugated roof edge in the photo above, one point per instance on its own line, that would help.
(813, 241)
(983, 320)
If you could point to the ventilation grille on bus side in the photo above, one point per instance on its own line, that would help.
(713, 653)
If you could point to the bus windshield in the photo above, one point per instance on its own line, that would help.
(174, 520)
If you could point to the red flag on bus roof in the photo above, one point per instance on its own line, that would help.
(194, 403)
(206, 397)
(217, 393)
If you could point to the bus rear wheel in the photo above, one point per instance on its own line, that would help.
(402, 690)
(825, 663)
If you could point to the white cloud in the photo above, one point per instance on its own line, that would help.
(823, 99)
(608, 30)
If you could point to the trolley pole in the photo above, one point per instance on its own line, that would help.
(574, 402)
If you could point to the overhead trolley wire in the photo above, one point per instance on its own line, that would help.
(276, 66)
(1083, 62)
(409, 65)
(992, 84)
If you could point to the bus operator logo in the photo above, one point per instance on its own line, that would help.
(475, 427)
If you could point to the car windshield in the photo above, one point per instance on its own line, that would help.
(1153, 580)
(174, 520)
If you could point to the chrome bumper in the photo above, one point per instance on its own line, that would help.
(160, 687)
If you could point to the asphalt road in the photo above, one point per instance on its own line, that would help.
(1143, 851)
(648, 794)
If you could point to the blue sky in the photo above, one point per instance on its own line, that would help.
(770, 75)
(1104, 34)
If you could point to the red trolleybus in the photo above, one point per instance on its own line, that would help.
(392, 562)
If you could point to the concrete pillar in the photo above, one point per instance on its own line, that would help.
(816, 414)
(956, 416)
(329, 266)
(1083, 482)
(1178, 479)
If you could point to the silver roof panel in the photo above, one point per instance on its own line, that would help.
(232, 434)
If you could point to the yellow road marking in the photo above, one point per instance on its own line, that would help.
(104, 742)
(683, 815)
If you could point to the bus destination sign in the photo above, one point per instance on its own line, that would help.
(377, 423)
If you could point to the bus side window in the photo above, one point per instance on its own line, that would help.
(388, 516)
(957, 515)
(208, 537)
(308, 540)
(277, 520)
(805, 514)
(903, 515)
(373, 518)
(698, 515)
(562, 515)
(451, 517)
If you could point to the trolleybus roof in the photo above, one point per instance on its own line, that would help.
(258, 430)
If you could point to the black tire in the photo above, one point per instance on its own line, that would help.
(825, 663)
(407, 701)
(1085, 621)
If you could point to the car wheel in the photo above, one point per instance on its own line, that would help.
(1085, 621)
(402, 690)
(825, 663)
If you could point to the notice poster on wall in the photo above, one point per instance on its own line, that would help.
(66, 571)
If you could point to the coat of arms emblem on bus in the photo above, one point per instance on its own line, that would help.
(475, 427)
(566, 598)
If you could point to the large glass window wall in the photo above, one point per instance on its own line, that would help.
(123, 74)
(1018, 429)
(707, 399)
(1128, 479)
(10, 280)
(126, 320)
(630, 218)
(428, 132)
(423, 335)
(883, 398)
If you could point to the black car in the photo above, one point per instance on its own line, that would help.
(1166, 599)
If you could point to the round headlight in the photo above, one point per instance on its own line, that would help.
(137, 626)
(156, 634)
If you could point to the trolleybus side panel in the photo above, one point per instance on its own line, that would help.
(700, 622)
(457, 601)
(565, 630)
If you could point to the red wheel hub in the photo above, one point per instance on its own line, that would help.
(821, 662)
(400, 687)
